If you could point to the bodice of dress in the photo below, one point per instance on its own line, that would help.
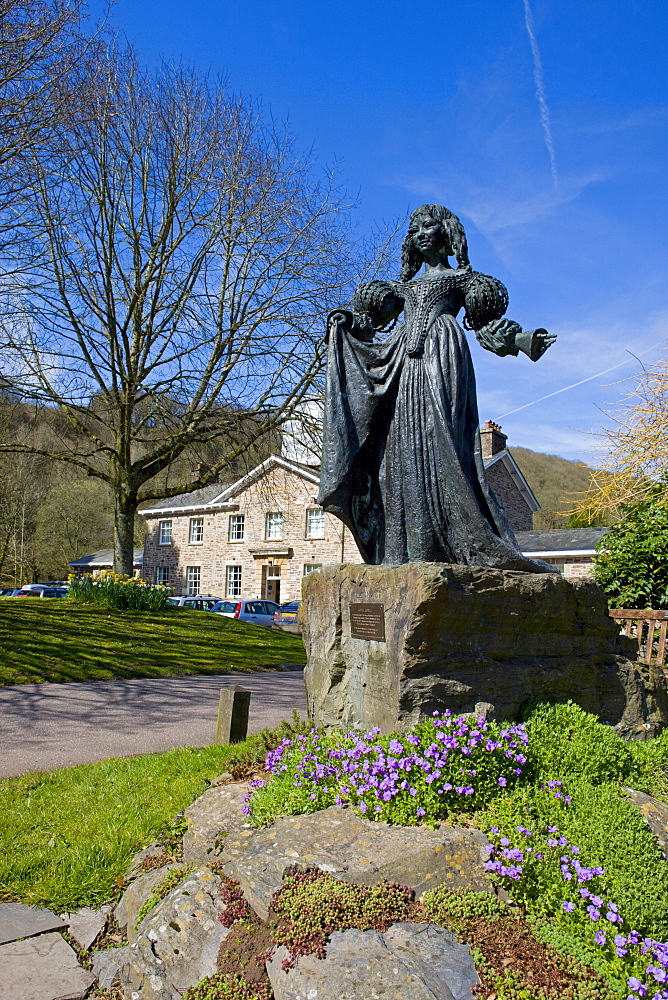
(425, 299)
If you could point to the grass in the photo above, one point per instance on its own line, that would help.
(67, 836)
(60, 640)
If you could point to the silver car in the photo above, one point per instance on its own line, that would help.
(256, 611)
(196, 603)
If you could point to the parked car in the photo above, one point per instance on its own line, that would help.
(256, 611)
(10, 591)
(37, 590)
(285, 617)
(197, 603)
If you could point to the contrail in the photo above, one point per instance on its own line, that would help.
(540, 92)
(574, 384)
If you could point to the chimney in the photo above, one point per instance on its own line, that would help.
(493, 440)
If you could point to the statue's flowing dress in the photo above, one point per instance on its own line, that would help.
(401, 462)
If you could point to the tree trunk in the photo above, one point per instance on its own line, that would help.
(124, 530)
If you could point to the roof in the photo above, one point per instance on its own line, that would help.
(222, 494)
(515, 473)
(582, 541)
(105, 557)
(198, 498)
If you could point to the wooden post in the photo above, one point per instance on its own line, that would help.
(233, 706)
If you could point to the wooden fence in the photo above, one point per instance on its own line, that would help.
(649, 628)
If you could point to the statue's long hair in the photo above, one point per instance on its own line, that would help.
(411, 258)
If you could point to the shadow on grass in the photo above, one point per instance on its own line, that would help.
(54, 641)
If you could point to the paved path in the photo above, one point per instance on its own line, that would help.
(44, 726)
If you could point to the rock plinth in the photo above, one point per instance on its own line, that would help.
(655, 814)
(407, 962)
(457, 636)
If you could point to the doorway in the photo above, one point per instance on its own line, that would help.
(271, 583)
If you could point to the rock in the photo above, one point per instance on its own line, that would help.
(136, 866)
(177, 944)
(456, 636)
(20, 921)
(84, 925)
(357, 850)
(106, 965)
(217, 828)
(654, 813)
(42, 968)
(407, 962)
(135, 896)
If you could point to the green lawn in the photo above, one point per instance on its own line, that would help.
(67, 836)
(59, 640)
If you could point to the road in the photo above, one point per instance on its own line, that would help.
(44, 726)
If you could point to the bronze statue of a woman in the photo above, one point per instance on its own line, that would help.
(401, 459)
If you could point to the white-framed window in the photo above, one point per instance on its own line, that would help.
(274, 526)
(233, 581)
(196, 530)
(162, 575)
(315, 523)
(165, 532)
(309, 567)
(193, 579)
(237, 528)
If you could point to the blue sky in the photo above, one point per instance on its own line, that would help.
(541, 123)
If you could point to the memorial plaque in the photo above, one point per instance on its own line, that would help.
(367, 621)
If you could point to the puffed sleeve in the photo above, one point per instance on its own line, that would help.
(485, 301)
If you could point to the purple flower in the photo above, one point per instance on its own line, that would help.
(599, 937)
(568, 906)
(502, 782)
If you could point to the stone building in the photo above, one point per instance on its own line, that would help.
(258, 536)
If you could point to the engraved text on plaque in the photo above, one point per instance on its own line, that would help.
(367, 621)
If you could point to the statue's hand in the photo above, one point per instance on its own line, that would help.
(534, 343)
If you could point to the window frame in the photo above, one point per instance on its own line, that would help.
(233, 570)
(310, 568)
(308, 533)
(196, 522)
(278, 514)
(162, 531)
(162, 570)
(190, 572)
(236, 520)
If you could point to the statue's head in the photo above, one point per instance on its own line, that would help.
(452, 233)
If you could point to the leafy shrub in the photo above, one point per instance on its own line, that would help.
(223, 987)
(650, 760)
(566, 742)
(442, 765)
(311, 904)
(443, 906)
(235, 903)
(632, 560)
(111, 590)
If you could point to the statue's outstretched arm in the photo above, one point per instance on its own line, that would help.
(486, 301)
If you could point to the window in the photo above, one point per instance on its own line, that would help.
(193, 577)
(274, 527)
(309, 567)
(162, 575)
(315, 523)
(233, 581)
(165, 528)
(236, 528)
(196, 529)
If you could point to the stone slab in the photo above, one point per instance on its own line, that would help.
(407, 962)
(456, 636)
(42, 968)
(84, 925)
(106, 965)
(20, 921)
(655, 814)
(357, 850)
(217, 828)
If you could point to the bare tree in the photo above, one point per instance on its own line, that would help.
(636, 453)
(186, 258)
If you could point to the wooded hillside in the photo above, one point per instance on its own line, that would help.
(554, 482)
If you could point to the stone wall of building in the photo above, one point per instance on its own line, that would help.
(271, 568)
(514, 505)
